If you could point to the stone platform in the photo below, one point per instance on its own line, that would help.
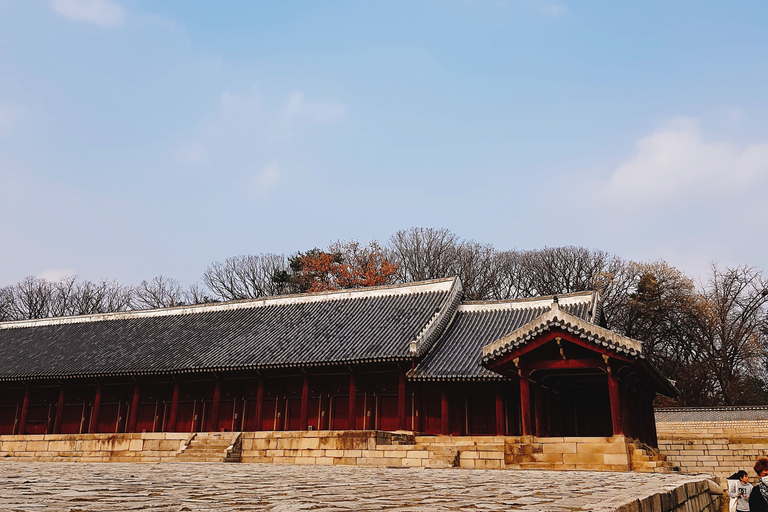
(329, 447)
(202, 486)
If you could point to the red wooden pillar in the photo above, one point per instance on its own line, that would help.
(213, 423)
(280, 408)
(133, 419)
(615, 396)
(525, 403)
(322, 424)
(418, 404)
(304, 402)
(59, 410)
(352, 416)
(401, 422)
(500, 423)
(259, 403)
(446, 425)
(174, 414)
(539, 411)
(24, 411)
(93, 428)
(625, 399)
(653, 441)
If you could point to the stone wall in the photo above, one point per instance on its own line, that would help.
(146, 447)
(701, 496)
(362, 448)
(718, 448)
(471, 452)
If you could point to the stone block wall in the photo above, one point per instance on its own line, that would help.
(701, 496)
(146, 447)
(470, 452)
(718, 448)
(572, 453)
(361, 448)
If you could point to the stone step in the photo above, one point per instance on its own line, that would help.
(221, 451)
(211, 447)
(208, 446)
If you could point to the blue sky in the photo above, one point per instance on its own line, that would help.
(140, 138)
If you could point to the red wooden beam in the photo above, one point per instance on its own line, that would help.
(174, 407)
(304, 402)
(352, 413)
(559, 364)
(59, 410)
(24, 411)
(133, 419)
(259, 403)
(93, 428)
(500, 423)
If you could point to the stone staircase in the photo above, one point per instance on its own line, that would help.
(646, 459)
(211, 447)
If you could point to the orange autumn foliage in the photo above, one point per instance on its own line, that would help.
(360, 267)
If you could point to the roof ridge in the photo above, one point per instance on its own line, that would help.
(430, 286)
(530, 303)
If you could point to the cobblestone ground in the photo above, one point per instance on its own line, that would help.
(80, 487)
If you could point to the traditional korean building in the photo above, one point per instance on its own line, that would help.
(409, 357)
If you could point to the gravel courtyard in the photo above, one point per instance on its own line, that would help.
(175, 487)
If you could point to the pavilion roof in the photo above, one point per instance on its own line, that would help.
(457, 355)
(560, 317)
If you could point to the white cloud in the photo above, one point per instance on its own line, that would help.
(54, 274)
(105, 13)
(265, 180)
(303, 109)
(554, 9)
(248, 131)
(675, 162)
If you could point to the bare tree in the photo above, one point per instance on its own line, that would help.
(6, 304)
(477, 266)
(246, 277)
(103, 297)
(731, 330)
(31, 298)
(424, 253)
(160, 292)
(512, 277)
(197, 295)
(568, 269)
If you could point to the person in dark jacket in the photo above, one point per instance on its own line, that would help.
(758, 498)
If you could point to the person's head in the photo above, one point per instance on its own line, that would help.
(739, 475)
(761, 467)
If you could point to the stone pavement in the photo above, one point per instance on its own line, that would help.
(176, 487)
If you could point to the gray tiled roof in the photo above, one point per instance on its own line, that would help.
(349, 327)
(703, 414)
(458, 353)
